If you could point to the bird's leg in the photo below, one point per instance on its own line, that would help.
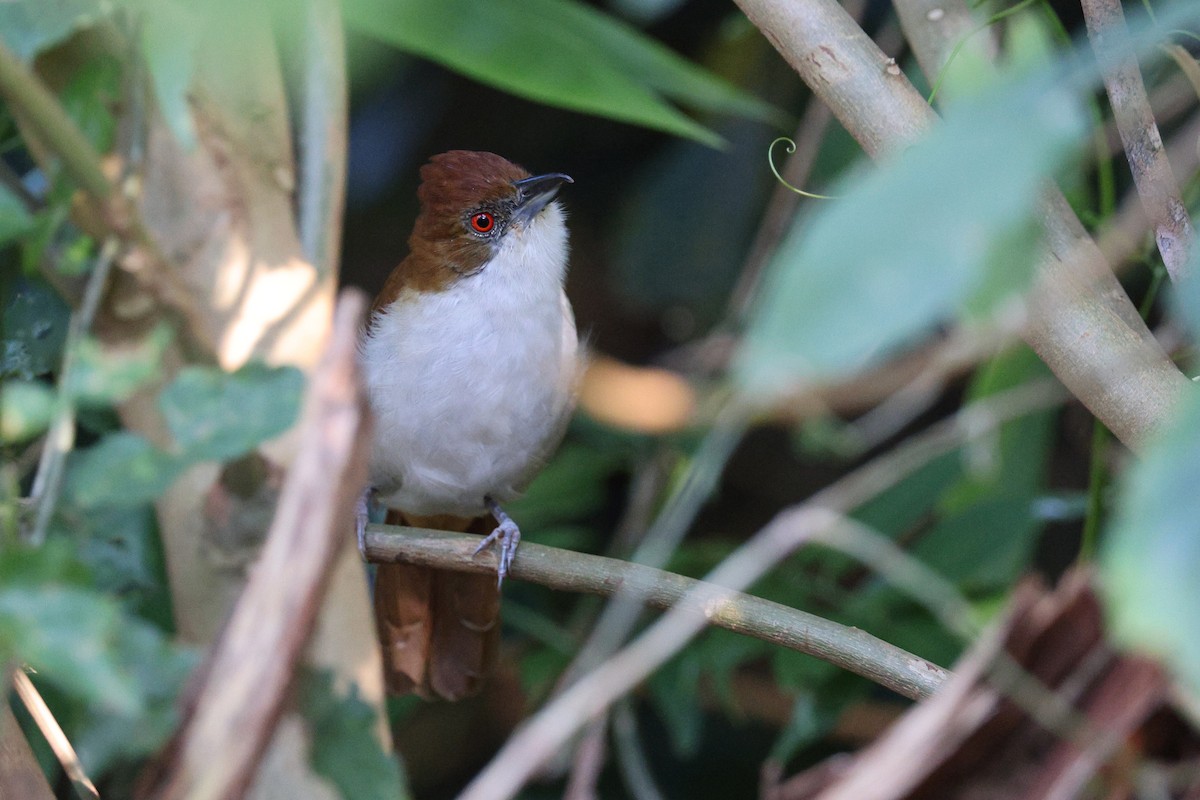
(362, 515)
(507, 533)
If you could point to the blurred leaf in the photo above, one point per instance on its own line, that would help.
(989, 519)
(216, 415)
(721, 652)
(30, 26)
(910, 244)
(985, 545)
(540, 669)
(159, 671)
(561, 53)
(800, 671)
(345, 744)
(673, 691)
(170, 34)
(813, 716)
(26, 409)
(1185, 296)
(119, 547)
(15, 219)
(571, 486)
(1152, 554)
(109, 375)
(659, 264)
(66, 634)
(91, 96)
(34, 327)
(122, 470)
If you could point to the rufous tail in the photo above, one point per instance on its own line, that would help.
(439, 630)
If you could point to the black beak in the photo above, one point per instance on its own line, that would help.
(533, 194)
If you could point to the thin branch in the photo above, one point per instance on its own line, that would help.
(35, 105)
(542, 734)
(588, 762)
(38, 106)
(1082, 323)
(567, 570)
(60, 439)
(54, 736)
(321, 87)
(631, 757)
(1148, 162)
(241, 695)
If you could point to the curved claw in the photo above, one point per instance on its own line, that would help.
(362, 514)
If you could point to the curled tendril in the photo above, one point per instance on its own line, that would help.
(791, 148)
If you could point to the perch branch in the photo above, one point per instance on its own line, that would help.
(1152, 175)
(226, 728)
(791, 528)
(565, 570)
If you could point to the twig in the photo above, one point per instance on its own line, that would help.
(59, 131)
(241, 695)
(53, 733)
(588, 762)
(631, 758)
(544, 733)
(566, 570)
(60, 439)
(1152, 173)
(141, 257)
(1082, 325)
(934, 29)
(320, 132)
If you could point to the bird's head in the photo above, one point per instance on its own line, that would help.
(475, 206)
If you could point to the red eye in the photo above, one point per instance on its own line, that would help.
(483, 222)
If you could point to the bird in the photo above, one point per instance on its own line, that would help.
(471, 363)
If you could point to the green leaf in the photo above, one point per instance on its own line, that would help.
(215, 415)
(560, 53)
(109, 375)
(571, 486)
(345, 746)
(34, 326)
(90, 97)
(26, 409)
(122, 470)
(989, 524)
(913, 243)
(158, 670)
(1152, 554)
(170, 36)
(66, 633)
(15, 219)
(813, 716)
(673, 690)
(30, 26)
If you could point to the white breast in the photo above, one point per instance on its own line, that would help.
(471, 387)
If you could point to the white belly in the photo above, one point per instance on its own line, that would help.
(471, 389)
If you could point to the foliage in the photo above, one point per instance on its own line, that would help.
(934, 244)
(559, 52)
(345, 743)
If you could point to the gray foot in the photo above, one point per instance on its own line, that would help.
(507, 533)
